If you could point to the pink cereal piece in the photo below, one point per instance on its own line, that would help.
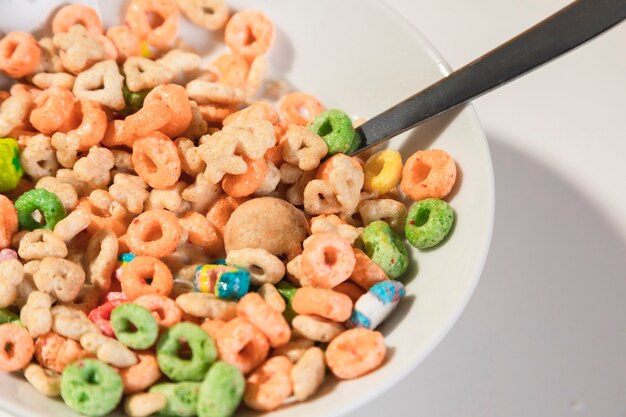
(101, 316)
(163, 308)
(18, 347)
(241, 344)
(322, 302)
(6, 254)
(327, 260)
(355, 352)
(269, 385)
(253, 308)
(428, 174)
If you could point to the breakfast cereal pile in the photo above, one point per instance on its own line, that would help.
(172, 242)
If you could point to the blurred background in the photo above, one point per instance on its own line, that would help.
(545, 332)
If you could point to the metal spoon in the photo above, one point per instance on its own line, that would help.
(568, 28)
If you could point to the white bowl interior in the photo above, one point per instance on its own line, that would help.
(360, 56)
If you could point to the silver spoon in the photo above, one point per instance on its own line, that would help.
(568, 28)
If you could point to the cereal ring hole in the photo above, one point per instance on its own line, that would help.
(256, 270)
(184, 350)
(154, 19)
(423, 214)
(420, 171)
(148, 163)
(325, 128)
(9, 349)
(330, 256)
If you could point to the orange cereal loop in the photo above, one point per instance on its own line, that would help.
(329, 304)
(213, 113)
(366, 272)
(324, 170)
(202, 233)
(163, 308)
(125, 41)
(77, 14)
(141, 269)
(154, 233)
(18, 347)
(155, 21)
(213, 326)
(249, 33)
(428, 174)
(152, 116)
(141, 375)
(176, 99)
(241, 344)
(299, 108)
(55, 352)
(53, 110)
(350, 289)
(327, 260)
(156, 160)
(221, 210)
(258, 110)
(232, 69)
(253, 308)
(101, 219)
(355, 352)
(8, 221)
(116, 135)
(93, 125)
(19, 54)
(243, 185)
(269, 385)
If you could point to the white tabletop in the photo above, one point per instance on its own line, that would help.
(545, 332)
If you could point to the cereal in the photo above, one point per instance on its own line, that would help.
(163, 309)
(108, 350)
(144, 404)
(390, 211)
(249, 33)
(143, 73)
(229, 283)
(35, 314)
(253, 308)
(269, 385)
(316, 328)
(428, 174)
(335, 127)
(65, 192)
(206, 92)
(71, 323)
(375, 306)
(209, 14)
(175, 97)
(386, 249)
(327, 260)
(243, 185)
(383, 171)
(78, 50)
(429, 222)
(205, 305)
(125, 41)
(8, 221)
(220, 158)
(242, 345)
(44, 381)
(19, 54)
(169, 199)
(17, 349)
(45, 80)
(11, 276)
(156, 161)
(148, 224)
(102, 84)
(95, 167)
(38, 158)
(134, 326)
(272, 297)
(181, 398)
(307, 374)
(101, 258)
(201, 194)
(322, 302)
(221, 391)
(366, 272)
(138, 19)
(55, 352)
(10, 168)
(170, 343)
(320, 197)
(14, 112)
(91, 387)
(333, 224)
(53, 111)
(73, 14)
(142, 375)
(60, 278)
(143, 268)
(41, 243)
(129, 190)
(300, 108)
(355, 353)
(294, 349)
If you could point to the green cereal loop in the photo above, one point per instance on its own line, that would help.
(335, 127)
(386, 249)
(133, 100)
(181, 397)
(221, 391)
(10, 169)
(91, 387)
(134, 326)
(202, 348)
(43, 200)
(428, 223)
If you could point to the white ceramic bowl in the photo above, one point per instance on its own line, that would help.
(359, 55)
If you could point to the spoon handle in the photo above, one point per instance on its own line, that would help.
(568, 28)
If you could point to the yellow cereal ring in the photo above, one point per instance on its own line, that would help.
(383, 171)
(10, 168)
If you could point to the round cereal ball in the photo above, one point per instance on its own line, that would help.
(267, 223)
